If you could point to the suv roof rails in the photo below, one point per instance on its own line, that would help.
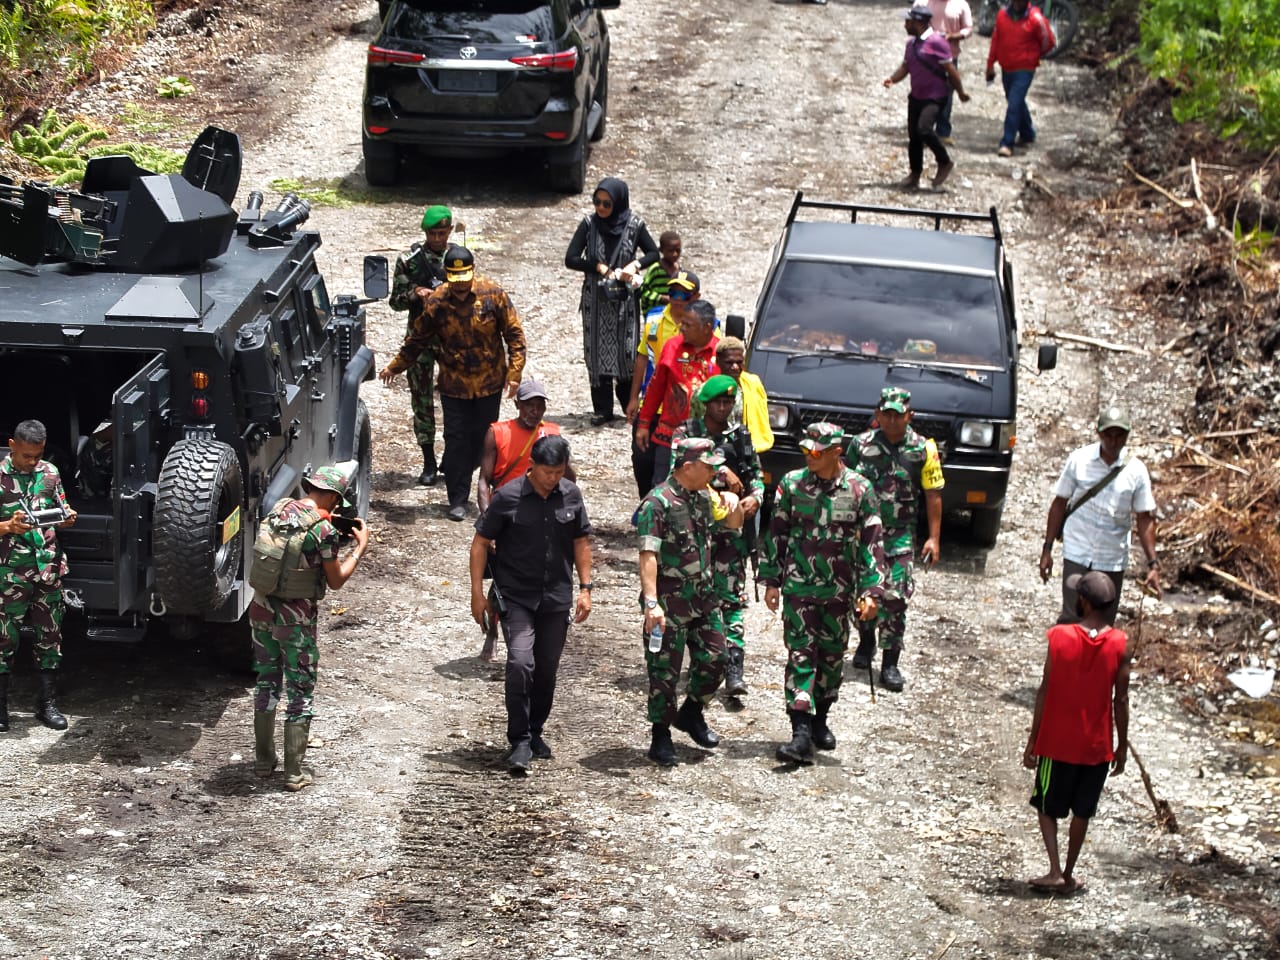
(937, 216)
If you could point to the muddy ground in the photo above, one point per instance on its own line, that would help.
(141, 831)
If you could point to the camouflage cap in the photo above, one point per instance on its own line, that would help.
(721, 385)
(697, 450)
(1114, 416)
(334, 477)
(896, 399)
(820, 436)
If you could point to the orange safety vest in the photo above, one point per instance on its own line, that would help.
(514, 446)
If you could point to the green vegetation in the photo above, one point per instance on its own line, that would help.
(1223, 58)
(62, 149)
(173, 87)
(48, 45)
(337, 192)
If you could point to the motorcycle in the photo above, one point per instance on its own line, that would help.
(1061, 15)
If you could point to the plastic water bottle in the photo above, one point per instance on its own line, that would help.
(655, 639)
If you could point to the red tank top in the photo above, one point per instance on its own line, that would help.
(1076, 725)
(514, 444)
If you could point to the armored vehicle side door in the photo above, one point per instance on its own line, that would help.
(139, 409)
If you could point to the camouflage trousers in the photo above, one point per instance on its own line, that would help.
(729, 555)
(41, 607)
(422, 399)
(285, 657)
(816, 634)
(891, 623)
(694, 623)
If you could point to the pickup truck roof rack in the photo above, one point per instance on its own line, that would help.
(937, 216)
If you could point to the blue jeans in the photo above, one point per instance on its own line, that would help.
(1017, 116)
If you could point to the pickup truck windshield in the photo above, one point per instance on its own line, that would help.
(891, 312)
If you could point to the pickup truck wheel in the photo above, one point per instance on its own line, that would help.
(381, 162)
(200, 487)
(985, 526)
(571, 177)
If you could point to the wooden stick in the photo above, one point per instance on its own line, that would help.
(1184, 204)
(1092, 342)
(943, 952)
(1164, 813)
(1214, 460)
(1218, 434)
(1237, 582)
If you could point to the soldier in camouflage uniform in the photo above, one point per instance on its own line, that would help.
(31, 566)
(678, 593)
(730, 549)
(900, 465)
(285, 652)
(417, 273)
(823, 559)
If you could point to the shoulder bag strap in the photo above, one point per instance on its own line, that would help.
(1095, 489)
(498, 481)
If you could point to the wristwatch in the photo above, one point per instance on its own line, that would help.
(650, 603)
(586, 586)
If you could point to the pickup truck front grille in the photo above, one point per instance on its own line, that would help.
(855, 422)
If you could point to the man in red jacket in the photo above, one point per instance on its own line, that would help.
(1021, 37)
(1085, 685)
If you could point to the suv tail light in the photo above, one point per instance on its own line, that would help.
(381, 55)
(565, 61)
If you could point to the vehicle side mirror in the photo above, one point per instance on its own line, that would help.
(1047, 357)
(735, 326)
(375, 277)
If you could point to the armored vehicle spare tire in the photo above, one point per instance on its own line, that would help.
(199, 488)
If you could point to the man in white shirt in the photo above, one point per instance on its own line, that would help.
(1101, 491)
(954, 20)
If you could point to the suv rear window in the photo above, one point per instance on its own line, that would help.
(486, 21)
(893, 312)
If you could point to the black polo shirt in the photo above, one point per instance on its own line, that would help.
(533, 555)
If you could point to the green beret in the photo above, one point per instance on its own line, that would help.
(721, 385)
(435, 215)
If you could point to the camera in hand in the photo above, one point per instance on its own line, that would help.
(46, 518)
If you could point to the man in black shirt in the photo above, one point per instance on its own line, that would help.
(539, 526)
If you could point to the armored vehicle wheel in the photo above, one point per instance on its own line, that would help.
(199, 488)
(985, 526)
(364, 456)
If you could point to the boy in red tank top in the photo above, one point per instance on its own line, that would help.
(1085, 685)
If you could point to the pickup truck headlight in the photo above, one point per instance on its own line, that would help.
(977, 433)
(779, 416)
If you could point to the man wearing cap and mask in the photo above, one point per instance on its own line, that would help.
(929, 64)
(822, 560)
(472, 327)
(283, 617)
(742, 476)
(901, 466)
(1084, 688)
(1102, 490)
(417, 273)
(508, 446)
(677, 593)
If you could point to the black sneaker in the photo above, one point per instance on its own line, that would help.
(458, 513)
(521, 757)
(541, 749)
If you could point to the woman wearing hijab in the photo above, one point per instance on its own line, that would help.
(607, 248)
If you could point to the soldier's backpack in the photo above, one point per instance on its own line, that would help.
(277, 569)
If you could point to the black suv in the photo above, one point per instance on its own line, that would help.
(468, 78)
(851, 307)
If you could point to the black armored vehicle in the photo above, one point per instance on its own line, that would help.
(926, 301)
(190, 366)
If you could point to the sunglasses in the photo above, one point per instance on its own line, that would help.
(815, 454)
(680, 296)
(602, 202)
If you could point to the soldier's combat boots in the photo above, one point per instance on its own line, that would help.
(800, 749)
(734, 684)
(4, 703)
(265, 760)
(689, 718)
(890, 677)
(866, 651)
(823, 738)
(661, 750)
(430, 475)
(295, 748)
(46, 710)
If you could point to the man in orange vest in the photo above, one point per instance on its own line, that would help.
(505, 457)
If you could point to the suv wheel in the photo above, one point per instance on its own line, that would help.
(602, 98)
(571, 177)
(199, 487)
(985, 526)
(381, 162)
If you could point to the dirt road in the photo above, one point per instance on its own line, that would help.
(142, 832)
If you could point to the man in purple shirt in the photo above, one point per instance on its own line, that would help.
(929, 64)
